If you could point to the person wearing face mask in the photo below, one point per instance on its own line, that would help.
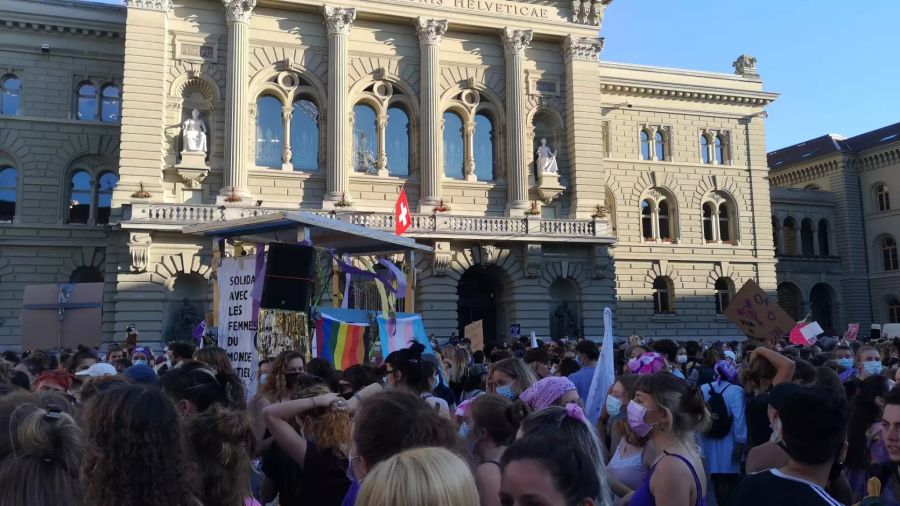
(280, 385)
(510, 377)
(633, 456)
(539, 361)
(141, 356)
(262, 374)
(723, 444)
(177, 352)
(868, 361)
(492, 424)
(843, 358)
(766, 368)
(588, 355)
(864, 435)
(681, 361)
(407, 370)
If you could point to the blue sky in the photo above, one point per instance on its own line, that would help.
(833, 62)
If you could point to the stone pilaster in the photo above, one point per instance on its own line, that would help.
(430, 31)
(237, 110)
(583, 125)
(337, 131)
(515, 42)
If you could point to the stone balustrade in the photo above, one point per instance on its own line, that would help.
(141, 215)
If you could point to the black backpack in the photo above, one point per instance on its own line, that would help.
(721, 419)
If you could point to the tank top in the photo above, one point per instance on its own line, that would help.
(628, 469)
(644, 497)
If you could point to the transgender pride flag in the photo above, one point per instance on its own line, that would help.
(399, 333)
(342, 344)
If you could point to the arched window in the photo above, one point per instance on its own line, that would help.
(110, 104)
(80, 198)
(365, 139)
(806, 238)
(662, 295)
(8, 187)
(453, 146)
(775, 242)
(10, 89)
(659, 217)
(889, 254)
(725, 222)
(893, 310)
(646, 219)
(708, 222)
(665, 223)
(704, 149)
(723, 294)
(305, 135)
(645, 145)
(790, 298)
(883, 198)
(87, 102)
(789, 232)
(483, 143)
(397, 141)
(105, 187)
(823, 238)
(660, 146)
(86, 274)
(269, 132)
(719, 149)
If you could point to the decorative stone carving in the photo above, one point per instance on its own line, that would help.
(532, 260)
(745, 65)
(441, 258)
(139, 249)
(487, 253)
(600, 262)
(516, 41)
(582, 48)
(338, 19)
(431, 31)
(239, 11)
(589, 12)
(151, 5)
(191, 176)
(193, 134)
(546, 163)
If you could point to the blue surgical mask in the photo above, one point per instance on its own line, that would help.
(506, 391)
(846, 363)
(873, 367)
(578, 360)
(140, 362)
(263, 378)
(613, 406)
(463, 430)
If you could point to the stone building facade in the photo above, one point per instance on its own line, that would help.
(836, 229)
(652, 199)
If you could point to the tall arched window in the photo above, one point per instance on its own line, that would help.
(660, 146)
(775, 242)
(719, 150)
(398, 141)
(883, 198)
(725, 221)
(806, 238)
(8, 188)
(893, 310)
(87, 101)
(665, 222)
(659, 217)
(10, 89)
(645, 145)
(662, 296)
(269, 132)
(889, 254)
(110, 104)
(646, 219)
(823, 238)
(453, 145)
(305, 135)
(105, 187)
(723, 294)
(708, 234)
(483, 143)
(789, 231)
(365, 139)
(704, 149)
(80, 197)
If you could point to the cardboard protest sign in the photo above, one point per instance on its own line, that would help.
(238, 317)
(757, 316)
(62, 315)
(475, 333)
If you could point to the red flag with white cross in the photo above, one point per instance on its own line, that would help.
(402, 218)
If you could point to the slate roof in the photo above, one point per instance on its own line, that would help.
(832, 143)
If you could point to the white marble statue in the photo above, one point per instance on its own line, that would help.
(193, 133)
(546, 159)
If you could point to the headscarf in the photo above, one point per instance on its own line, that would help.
(648, 363)
(546, 392)
(726, 371)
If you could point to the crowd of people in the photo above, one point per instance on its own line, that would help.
(683, 424)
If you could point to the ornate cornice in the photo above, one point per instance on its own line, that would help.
(805, 173)
(338, 19)
(676, 92)
(589, 12)
(150, 5)
(582, 48)
(59, 28)
(431, 31)
(516, 41)
(239, 11)
(879, 159)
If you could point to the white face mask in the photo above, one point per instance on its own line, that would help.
(681, 359)
(776, 431)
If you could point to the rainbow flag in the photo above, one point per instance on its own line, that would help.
(341, 343)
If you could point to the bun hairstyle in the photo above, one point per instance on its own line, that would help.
(221, 442)
(684, 403)
(409, 363)
(195, 382)
(498, 416)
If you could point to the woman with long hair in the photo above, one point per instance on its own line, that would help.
(491, 427)
(457, 372)
(281, 385)
(194, 387)
(766, 368)
(407, 369)
(135, 453)
(216, 358)
(633, 455)
(510, 377)
(220, 444)
(421, 476)
(866, 445)
(550, 470)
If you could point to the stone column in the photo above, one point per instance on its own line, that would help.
(338, 130)
(237, 14)
(514, 43)
(286, 152)
(469, 151)
(381, 164)
(431, 32)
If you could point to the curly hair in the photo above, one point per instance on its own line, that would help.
(331, 429)
(221, 443)
(134, 438)
(276, 389)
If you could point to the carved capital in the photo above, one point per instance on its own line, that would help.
(338, 19)
(745, 65)
(139, 249)
(589, 12)
(431, 31)
(532, 260)
(441, 259)
(239, 11)
(516, 41)
(582, 48)
(150, 5)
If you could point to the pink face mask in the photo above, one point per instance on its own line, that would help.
(636, 414)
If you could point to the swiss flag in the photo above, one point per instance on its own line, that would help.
(402, 219)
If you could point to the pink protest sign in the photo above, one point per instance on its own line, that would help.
(852, 332)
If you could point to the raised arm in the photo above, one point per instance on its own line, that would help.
(784, 367)
(276, 419)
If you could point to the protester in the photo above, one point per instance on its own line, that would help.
(194, 388)
(406, 369)
(457, 373)
(491, 427)
(549, 470)
(588, 355)
(81, 360)
(724, 442)
(476, 383)
(432, 368)
(57, 380)
(141, 373)
(539, 361)
(355, 378)
(887, 470)
(669, 350)
(281, 385)
(177, 352)
(765, 369)
(864, 437)
(321, 368)
(141, 356)
(553, 391)
(93, 386)
(216, 358)
(114, 352)
(421, 476)
(705, 372)
(220, 443)
(633, 455)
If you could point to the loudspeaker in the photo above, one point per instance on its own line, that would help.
(290, 277)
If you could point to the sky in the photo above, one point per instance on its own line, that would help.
(833, 62)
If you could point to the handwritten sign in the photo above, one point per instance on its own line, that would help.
(757, 316)
(237, 325)
(852, 332)
(475, 332)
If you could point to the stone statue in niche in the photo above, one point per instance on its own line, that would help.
(566, 320)
(185, 322)
(193, 134)
(546, 159)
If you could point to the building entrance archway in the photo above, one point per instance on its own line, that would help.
(821, 305)
(481, 297)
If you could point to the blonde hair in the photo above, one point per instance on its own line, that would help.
(515, 368)
(432, 476)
